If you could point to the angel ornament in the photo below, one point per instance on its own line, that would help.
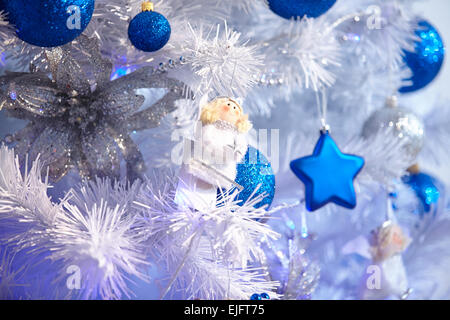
(387, 243)
(385, 276)
(210, 160)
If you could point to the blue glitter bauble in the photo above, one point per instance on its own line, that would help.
(298, 8)
(265, 296)
(428, 191)
(149, 31)
(45, 23)
(255, 170)
(255, 296)
(426, 60)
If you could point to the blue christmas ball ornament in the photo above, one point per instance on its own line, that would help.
(253, 171)
(426, 60)
(265, 296)
(255, 296)
(149, 31)
(299, 8)
(49, 23)
(428, 190)
(262, 296)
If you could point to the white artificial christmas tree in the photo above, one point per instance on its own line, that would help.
(94, 133)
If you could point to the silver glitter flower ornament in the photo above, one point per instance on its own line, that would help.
(78, 117)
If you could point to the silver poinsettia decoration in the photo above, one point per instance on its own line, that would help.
(78, 117)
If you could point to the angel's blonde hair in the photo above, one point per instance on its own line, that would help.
(210, 114)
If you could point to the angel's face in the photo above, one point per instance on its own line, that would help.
(230, 111)
(391, 240)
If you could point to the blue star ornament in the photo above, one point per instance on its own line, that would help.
(328, 175)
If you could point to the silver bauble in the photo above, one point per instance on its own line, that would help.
(404, 124)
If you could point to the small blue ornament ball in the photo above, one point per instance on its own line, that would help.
(428, 190)
(265, 296)
(426, 60)
(149, 31)
(299, 8)
(252, 171)
(262, 296)
(49, 23)
(255, 296)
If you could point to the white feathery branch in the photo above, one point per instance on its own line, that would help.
(3, 26)
(225, 64)
(207, 253)
(308, 50)
(104, 241)
(24, 201)
(100, 241)
(10, 277)
(383, 155)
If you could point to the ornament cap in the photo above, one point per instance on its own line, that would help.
(325, 126)
(392, 101)
(414, 169)
(325, 129)
(147, 6)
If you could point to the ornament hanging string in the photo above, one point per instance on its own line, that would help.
(304, 226)
(389, 210)
(321, 102)
(232, 77)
